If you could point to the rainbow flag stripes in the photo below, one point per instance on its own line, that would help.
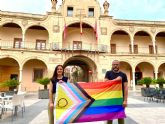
(86, 102)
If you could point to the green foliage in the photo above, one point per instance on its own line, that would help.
(160, 81)
(146, 80)
(154, 81)
(140, 82)
(10, 83)
(44, 81)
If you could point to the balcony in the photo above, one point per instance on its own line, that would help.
(80, 47)
(55, 46)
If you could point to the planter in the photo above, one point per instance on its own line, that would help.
(43, 94)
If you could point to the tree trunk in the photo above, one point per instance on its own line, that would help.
(45, 87)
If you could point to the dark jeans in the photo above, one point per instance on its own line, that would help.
(120, 121)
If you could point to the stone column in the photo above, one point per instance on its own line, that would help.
(133, 81)
(132, 46)
(154, 47)
(23, 40)
(156, 74)
(20, 79)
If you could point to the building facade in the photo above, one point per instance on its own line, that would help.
(80, 36)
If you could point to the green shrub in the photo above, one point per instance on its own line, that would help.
(12, 84)
(146, 80)
(160, 81)
(44, 81)
(140, 82)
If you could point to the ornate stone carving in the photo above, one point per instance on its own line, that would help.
(103, 31)
(153, 30)
(56, 28)
(24, 22)
(106, 7)
(131, 28)
(54, 3)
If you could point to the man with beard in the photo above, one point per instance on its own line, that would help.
(116, 74)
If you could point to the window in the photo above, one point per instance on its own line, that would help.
(17, 43)
(156, 48)
(91, 12)
(70, 11)
(151, 49)
(37, 74)
(77, 45)
(135, 49)
(113, 48)
(40, 44)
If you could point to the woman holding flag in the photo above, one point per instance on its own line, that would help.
(58, 77)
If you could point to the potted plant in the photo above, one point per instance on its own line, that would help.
(160, 81)
(43, 93)
(12, 84)
(146, 80)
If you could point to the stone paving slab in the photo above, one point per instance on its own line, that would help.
(138, 112)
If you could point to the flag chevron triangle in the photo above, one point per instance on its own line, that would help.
(71, 97)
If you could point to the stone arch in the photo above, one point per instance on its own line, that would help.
(147, 61)
(142, 30)
(9, 69)
(87, 65)
(144, 69)
(38, 25)
(12, 57)
(7, 22)
(33, 68)
(120, 41)
(126, 67)
(161, 70)
(124, 30)
(35, 57)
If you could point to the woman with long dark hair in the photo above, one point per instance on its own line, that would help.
(58, 77)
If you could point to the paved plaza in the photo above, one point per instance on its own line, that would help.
(138, 111)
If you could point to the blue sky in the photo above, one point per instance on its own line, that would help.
(151, 10)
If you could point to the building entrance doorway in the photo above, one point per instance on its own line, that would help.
(138, 76)
(80, 69)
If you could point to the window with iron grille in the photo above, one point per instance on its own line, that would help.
(113, 48)
(77, 45)
(40, 44)
(17, 43)
(37, 73)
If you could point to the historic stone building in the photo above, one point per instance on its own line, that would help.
(81, 37)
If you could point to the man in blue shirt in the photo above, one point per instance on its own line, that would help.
(116, 74)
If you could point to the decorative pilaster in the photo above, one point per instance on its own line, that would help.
(20, 79)
(133, 81)
(156, 74)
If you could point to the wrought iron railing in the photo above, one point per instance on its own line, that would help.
(6, 44)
